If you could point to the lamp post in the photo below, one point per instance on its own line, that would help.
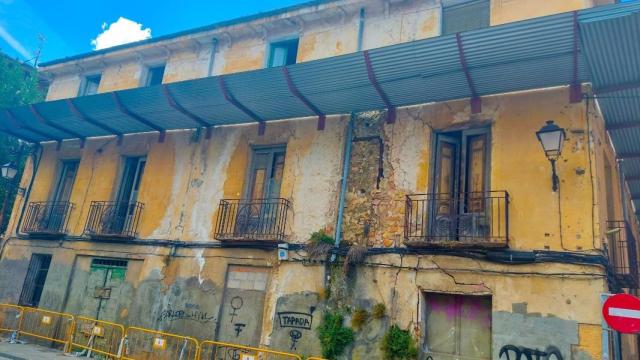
(552, 137)
(8, 172)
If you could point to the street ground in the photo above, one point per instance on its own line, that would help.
(28, 352)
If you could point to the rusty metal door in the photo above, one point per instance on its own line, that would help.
(243, 302)
(103, 288)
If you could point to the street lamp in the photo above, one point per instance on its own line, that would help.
(9, 170)
(551, 137)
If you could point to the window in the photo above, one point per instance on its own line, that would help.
(131, 178)
(265, 176)
(460, 185)
(90, 85)
(463, 15)
(283, 53)
(457, 326)
(154, 75)
(35, 279)
(65, 183)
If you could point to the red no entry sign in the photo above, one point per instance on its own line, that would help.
(622, 313)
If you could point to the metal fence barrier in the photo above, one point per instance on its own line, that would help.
(114, 341)
(215, 350)
(143, 344)
(10, 316)
(47, 325)
(98, 336)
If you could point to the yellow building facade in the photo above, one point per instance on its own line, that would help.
(446, 216)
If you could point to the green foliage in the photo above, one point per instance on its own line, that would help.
(334, 337)
(18, 86)
(359, 318)
(398, 344)
(379, 311)
(321, 237)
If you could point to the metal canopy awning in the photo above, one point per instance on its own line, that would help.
(612, 50)
(531, 54)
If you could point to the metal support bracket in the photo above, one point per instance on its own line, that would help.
(137, 117)
(233, 101)
(391, 109)
(476, 102)
(46, 122)
(20, 125)
(82, 116)
(174, 104)
(295, 92)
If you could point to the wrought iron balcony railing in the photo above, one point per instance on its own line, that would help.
(622, 251)
(465, 219)
(252, 220)
(47, 218)
(111, 219)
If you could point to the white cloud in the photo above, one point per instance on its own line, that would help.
(120, 32)
(15, 44)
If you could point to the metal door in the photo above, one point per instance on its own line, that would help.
(103, 288)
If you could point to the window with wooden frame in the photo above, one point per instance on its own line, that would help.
(35, 280)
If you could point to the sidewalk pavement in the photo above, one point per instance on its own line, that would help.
(28, 352)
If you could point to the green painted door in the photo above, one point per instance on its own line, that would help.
(103, 288)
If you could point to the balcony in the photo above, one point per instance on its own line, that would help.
(47, 218)
(110, 219)
(474, 219)
(252, 220)
(622, 251)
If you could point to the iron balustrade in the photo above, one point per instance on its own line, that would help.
(622, 251)
(47, 218)
(252, 219)
(114, 219)
(471, 218)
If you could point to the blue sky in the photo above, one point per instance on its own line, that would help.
(68, 26)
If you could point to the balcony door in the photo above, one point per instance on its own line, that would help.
(460, 186)
(124, 208)
(258, 213)
(52, 216)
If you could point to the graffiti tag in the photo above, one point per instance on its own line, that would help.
(192, 314)
(298, 320)
(523, 353)
(295, 336)
(236, 304)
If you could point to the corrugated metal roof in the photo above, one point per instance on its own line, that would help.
(611, 47)
(528, 54)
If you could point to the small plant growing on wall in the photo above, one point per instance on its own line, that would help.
(356, 255)
(334, 336)
(320, 243)
(379, 311)
(398, 344)
(359, 318)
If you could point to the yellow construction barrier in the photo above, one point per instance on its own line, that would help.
(98, 336)
(215, 350)
(10, 316)
(47, 325)
(144, 344)
(315, 358)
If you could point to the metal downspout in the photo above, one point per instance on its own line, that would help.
(212, 58)
(347, 153)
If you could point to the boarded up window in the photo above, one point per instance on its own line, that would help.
(457, 326)
(463, 15)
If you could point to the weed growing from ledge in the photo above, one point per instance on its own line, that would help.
(359, 318)
(334, 337)
(320, 243)
(379, 311)
(398, 344)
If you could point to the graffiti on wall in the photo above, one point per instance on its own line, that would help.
(189, 312)
(512, 352)
(296, 321)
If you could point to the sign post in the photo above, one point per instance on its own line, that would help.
(622, 313)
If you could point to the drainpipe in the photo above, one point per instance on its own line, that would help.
(343, 187)
(347, 154)
(212, 58)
